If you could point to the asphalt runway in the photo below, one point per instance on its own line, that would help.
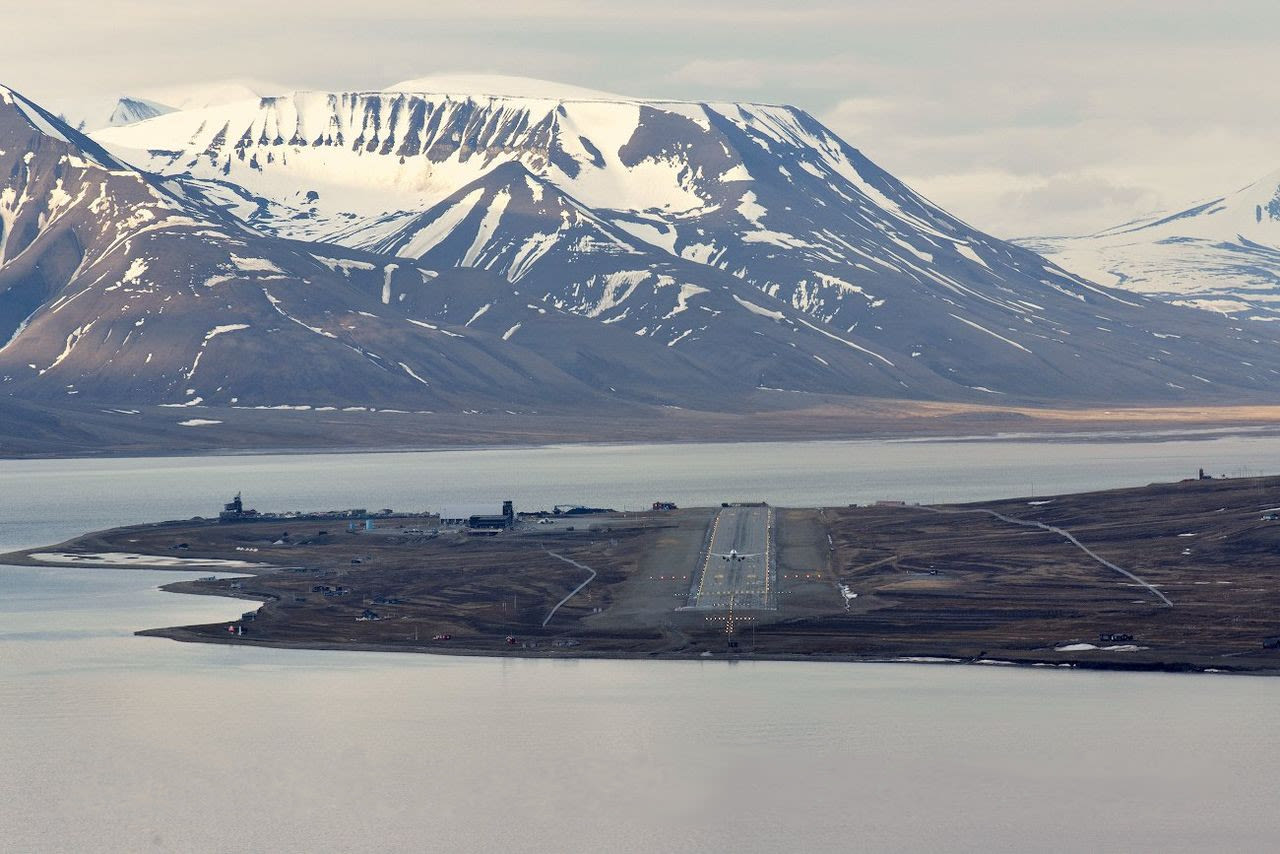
(737, 569)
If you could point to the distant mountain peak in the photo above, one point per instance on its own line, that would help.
(1220, 254)
(130, 110)
(48, 125)
(195, 96)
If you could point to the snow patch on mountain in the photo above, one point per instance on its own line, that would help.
(968, 251)
(997, 335)
(1220, 255)
(222, 330)
(429, 237)
(488, 226)
(254, 265)
(616, 288)
(751, 210)
(757, 309)
(582, 239)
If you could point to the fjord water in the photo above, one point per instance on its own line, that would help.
(119, 743)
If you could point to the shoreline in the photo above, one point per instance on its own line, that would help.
(182, 634)
(104, 433)
(1175, 577)
(1139, 435)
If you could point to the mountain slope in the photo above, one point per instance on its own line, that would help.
(114, 288)
(610, 208)
(1222, 255)
(597, 257)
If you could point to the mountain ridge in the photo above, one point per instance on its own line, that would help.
(1220, 254)
(575, 259)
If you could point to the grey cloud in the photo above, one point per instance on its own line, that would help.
(973, 101)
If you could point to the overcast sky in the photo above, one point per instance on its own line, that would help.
(1022, 117)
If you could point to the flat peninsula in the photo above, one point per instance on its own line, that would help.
(1174, 577)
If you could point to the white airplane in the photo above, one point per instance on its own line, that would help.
(733, 555)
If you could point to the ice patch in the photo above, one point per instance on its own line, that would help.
(926, 257)
(835, 282)
(661, 236)
(488, 226)
(682, 299)
(845, 342)
(618, 287)
(408, 370)
(777, 238)
(1086, 647)
(699, 253)
(428, 237)
(434, 328)
(221, 330)
(336, 264)
(751, 210)
(530, 251)
(34, 117)
(128, 559)
(254, 265)
(135, 271)
(275, 303)
(967, 251)
(386, 282)
(989, 332)
(756, 309)
(72, 340)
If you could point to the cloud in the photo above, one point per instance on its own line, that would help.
(1046, 145)
(1010, 205)
(720, 74)
(1023, 117)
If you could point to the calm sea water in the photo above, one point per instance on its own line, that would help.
(47, 500)
(110, 742)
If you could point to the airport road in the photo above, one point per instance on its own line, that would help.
(737, 569)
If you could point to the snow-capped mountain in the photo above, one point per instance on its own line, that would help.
(496, 252)
(98, 113)
(1221, 255)
(114, 288)
(600, 205)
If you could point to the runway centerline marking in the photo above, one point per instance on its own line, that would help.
(742, 538)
